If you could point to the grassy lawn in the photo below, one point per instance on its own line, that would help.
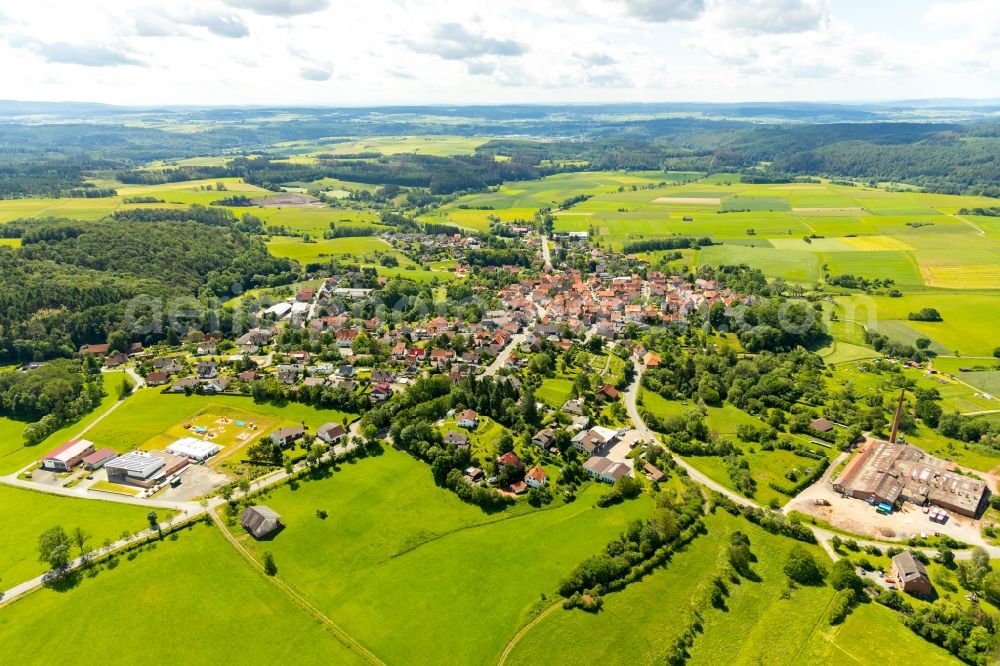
(449, 579)
(862, 639)
(199, 577)
(555, 391)
(28, 513)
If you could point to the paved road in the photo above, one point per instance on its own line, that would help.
(631, 407)
(545, 253)
(501, 360)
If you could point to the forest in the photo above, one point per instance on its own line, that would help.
(69, 282)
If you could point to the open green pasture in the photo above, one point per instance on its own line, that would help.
(198, 578)
(357, 247)
(971, 318)
(28, 513)
(639, 624)
(397, 551)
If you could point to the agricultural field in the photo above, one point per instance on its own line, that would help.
(28, 513)
(440, 145)
(197, 577)
(402, 546)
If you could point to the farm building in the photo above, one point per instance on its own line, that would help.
(886, 472)
(194, 449)
(822, 425)
(910, 574)
(98, 458)
(605, 470)
(67, 456)
(260, 521)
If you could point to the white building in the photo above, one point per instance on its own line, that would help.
(279, 310)
(194, 449)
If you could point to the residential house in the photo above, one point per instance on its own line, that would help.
(574, 407)
(380, 392)
(468, 419)
(607, 392)
(544, 438)
(287, 436)
(207, 369)
(605, 470)
(380, 376)
(331, 433)
(158, 378)
(216, 384)
(289, 374)
(457, 438)
(184, 384)
(654, 473)
(910, 574)
(536, 478)
(511, 459)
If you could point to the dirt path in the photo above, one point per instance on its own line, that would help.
(512, 643)
(297, 598)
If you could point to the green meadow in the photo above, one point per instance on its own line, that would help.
(197, 578)
(765, 466)
(28, 513)
(396, 551)
(639, 624)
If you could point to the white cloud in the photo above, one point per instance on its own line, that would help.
(439, 51)
(316, 73)
(762, 17)
(660, 11)
(453, 41)
(280, 7)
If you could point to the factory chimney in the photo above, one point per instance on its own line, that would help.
(898, 417)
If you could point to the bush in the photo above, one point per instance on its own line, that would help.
(802, 568)
(270, 568)
(841, 606)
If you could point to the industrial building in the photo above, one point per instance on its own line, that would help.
(887, 473)
(67, 456)
(143, 469)
(893, 473)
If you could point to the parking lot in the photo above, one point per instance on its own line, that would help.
(620, 450)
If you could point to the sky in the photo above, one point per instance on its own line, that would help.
(369, 52)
